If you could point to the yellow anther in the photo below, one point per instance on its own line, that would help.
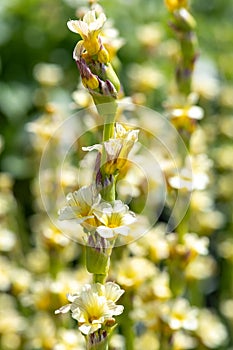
(103, 55)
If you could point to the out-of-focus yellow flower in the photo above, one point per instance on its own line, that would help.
(146, 312)
(186, 117)
(194, 177)
(52, 236)
(69, 339)
(183, 112)
(12, 322)
(227, 308)
(89, 28)
(196, 245)
(48, 74)
(202, 201)
(42, 332)
(212, 332)
(201, 267)
(7, 239)
(161, 287)
(82, 98)
(183, 341)
(150, 35)
(179, 314)
(94, 306)
(117, 342)
(224, 156)
(173, 5)
(144, 78)
(131, 272)
(5, 273)
(6, 182)
(43, 129)
(148, 340)
(21, 280)
(207, 222)
(155, 244)
(225, 249)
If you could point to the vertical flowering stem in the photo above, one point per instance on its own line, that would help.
(182, 113)
(102, 217)
(184, 25)
(108, 112)
(107, 109)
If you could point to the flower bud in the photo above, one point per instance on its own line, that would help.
(97, 257)
(173, 5)
(103, 56)
(92, 82)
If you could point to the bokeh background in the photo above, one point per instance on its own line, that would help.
(38, 90)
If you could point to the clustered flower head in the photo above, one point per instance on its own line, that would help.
(80, 206)
(89, 29)
(115, 151)
(107, 219)
(92, 57)
(95, 306)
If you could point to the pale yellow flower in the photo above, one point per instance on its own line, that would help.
(183, 112)
(226, 308)
(89, 29)
(192, 112)
(115, 218)
(48, 74)
(148, 340)
(42, 332)
(117, 342)
(144, 78)
(116, 149)
(80, 206)
(180, 315)
(201, 267)
(225, 249)
(194, 176)
(212, 332)
(69, 339)
(182, 340)
(161, 288)
(131, 272)
(7, 239)
(153, 244)
(111, 291)
(146, 313)
(94, 306)
(196, 245)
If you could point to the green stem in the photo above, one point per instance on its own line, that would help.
(99, 278)
(183, 227)
(108, 193)
(184, 28)
(108, 129)
(55, 263)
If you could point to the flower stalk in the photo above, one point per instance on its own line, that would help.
(95, 207)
